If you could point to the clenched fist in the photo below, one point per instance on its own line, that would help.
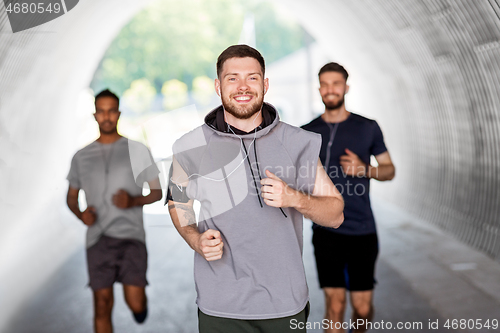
(122, 199)
(210, 245)
(353, 165)
(89, 216)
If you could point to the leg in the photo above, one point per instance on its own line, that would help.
(362, 307)
(132, 274)
(335, 308)
(101, 268)
(136, 299)
(103, 306)
(361, 271)
(331, 251)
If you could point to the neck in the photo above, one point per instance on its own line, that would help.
(246, 125)
(107, 138)
(336, 115)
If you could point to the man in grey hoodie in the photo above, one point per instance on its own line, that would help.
(255, 177)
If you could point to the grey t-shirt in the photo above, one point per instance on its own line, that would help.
(261, 274)
(101, 170)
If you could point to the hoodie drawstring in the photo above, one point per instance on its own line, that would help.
(251, 170)
(258, 172)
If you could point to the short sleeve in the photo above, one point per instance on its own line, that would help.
(303, 147)
(73, 176)
(189, 149)
(143, 164)
(378, 145)
(151, 172)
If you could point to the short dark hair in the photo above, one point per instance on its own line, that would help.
(240, 51)
(106, 93)
(334, 67)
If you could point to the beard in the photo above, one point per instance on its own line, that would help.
(332, 105)
(243, 111)
(107, 129)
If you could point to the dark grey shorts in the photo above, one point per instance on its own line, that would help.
(120, 260)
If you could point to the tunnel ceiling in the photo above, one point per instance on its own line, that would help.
(429, 71)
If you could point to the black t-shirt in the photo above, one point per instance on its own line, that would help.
(363, 137)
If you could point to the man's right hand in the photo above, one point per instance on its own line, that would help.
(210, 245)
(89, 216)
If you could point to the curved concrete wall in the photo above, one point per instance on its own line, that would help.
(427, 70)
(430, 73)
(42, 72)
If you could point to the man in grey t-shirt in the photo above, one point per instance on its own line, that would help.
(255, 178)
(111, 171)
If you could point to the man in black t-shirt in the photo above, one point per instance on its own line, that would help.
(345, 257)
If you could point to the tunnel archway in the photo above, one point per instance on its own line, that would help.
(430, 71)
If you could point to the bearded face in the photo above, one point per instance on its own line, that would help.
(244, 104)
(242, 87)
(107, 114)
(333, 102)
(332, 88)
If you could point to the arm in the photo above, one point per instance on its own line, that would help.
(88, 216)
(355, 167)
(123, 200)
(385, 169)
(208, 244)
(325, 206)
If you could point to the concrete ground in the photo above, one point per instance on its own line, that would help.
(424, 276)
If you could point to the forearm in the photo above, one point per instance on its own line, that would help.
(141, 200)
(381, 172)
(323, 210)
(75, 209)
(184, 220)
(72, 201)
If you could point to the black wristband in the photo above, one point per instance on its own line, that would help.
(177, 195)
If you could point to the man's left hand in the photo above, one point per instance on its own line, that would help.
(122, 199)
(277, 193)
(352, 164)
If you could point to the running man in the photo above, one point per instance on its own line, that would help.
(255, 178)
(111, 171)
(345, 257)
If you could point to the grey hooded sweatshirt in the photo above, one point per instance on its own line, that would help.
(261, 274)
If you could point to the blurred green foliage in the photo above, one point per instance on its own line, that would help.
(175, 94)
(140, 95)
(181, 40)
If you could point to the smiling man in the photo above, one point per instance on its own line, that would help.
(255, 177)
(111, 171)
(345, 257)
